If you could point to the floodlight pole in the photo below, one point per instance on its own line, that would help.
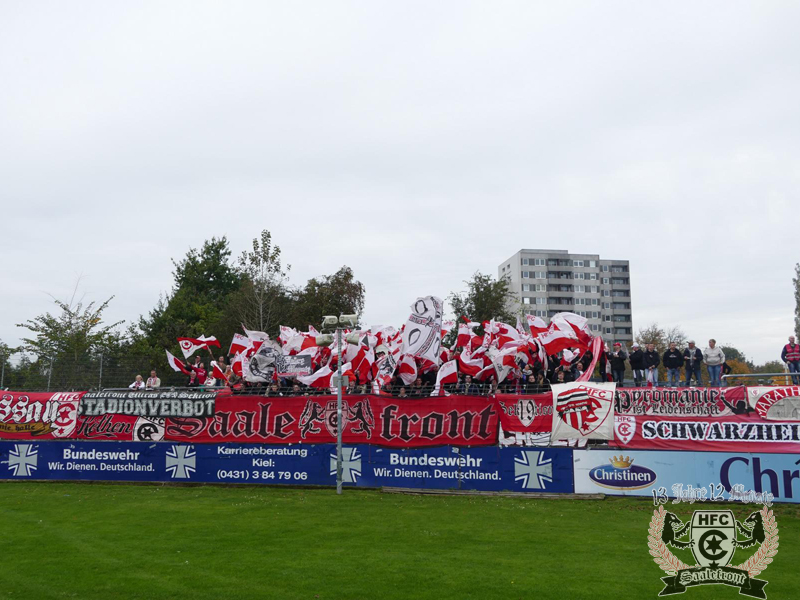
(339, 412)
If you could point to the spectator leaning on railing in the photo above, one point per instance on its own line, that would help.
(617, 359)
(791, 356)
(673, 361)
(153, 382)
(138, 383)
(713, 357)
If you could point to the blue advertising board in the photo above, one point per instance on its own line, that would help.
(710, 474)
(445, 467)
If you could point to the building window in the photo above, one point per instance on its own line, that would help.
(541, 300)
(577, 263)
(605, 280)
(540, 287)
(605, 270)
(579, 275)
(606, 304)
(526, 300)
(606, 293)
(595, 301)
(580, 289)
(595, 327)
(592, 263)
(608, 329)
(541, 275)
(582, 313)
(541, 313)
(595, 315)
(580, 301)
(606, 317)
(526, 287)
(593, 289)
(593, 276)
(538, 262)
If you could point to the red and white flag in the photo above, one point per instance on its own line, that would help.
(240, 343)
(536, 324)
(256, 337)
(237, 364)
(407, 369)
(469, 365)
(448, 373)
(191, 345)
(217, 373)
(176, 365)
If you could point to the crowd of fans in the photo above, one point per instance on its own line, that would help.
(534, 377)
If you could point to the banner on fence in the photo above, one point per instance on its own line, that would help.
(740, 433)
(695, 402)
(687, 475)
(120, 428)
(775, 403)
(446, 467)
(583, 411)
(150, 403)
(38, 415)
(380, 420)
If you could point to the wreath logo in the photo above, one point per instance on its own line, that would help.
(714, 535)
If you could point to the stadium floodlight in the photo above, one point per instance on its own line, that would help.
(324, 339)
(348, 320)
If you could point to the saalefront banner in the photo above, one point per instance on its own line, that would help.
(367, 419)
(26, 415)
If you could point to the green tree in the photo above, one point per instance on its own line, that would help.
(486, 298)
(263, 300)
(78, 330)
(340, 293)
(205, 279)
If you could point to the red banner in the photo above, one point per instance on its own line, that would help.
(38, 416)
(368, 419)
(694, 402)
(120, 428)
(733, 433)
(525, 414)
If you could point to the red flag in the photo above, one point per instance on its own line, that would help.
(240, 343)
(176, 365)
(407, 369)
(448, 373)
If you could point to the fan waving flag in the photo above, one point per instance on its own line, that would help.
(239, 344)
(191, 345)
(217, 373)
(176, 365)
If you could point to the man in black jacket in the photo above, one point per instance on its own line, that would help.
(673, 360)
(693, 357)
(651, 362)
(637, 365)
(617, 359)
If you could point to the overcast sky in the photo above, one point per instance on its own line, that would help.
(416, 142)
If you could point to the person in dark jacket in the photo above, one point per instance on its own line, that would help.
(673, 361)
(791, 356)
(651, 362)
(617, 359)
(693, 358)
(637, 365)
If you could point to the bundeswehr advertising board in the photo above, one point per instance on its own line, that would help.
(445, 467)
(710, 474)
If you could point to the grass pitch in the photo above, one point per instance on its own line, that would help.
(68, 540)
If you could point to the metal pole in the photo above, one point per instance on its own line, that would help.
(339, 413)
(49, 373)
(100, 384)
(2, 371)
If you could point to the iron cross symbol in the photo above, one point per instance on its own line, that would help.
(533, 470)
(351, 465)
(181, 461)
(23, 460)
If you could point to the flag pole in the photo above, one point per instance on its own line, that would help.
(339, 413)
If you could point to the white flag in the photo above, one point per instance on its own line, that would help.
(422, 336)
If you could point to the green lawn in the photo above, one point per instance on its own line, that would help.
(65, 540)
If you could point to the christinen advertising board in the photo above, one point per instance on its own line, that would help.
(710, 475)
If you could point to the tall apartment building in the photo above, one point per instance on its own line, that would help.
(547, 282)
